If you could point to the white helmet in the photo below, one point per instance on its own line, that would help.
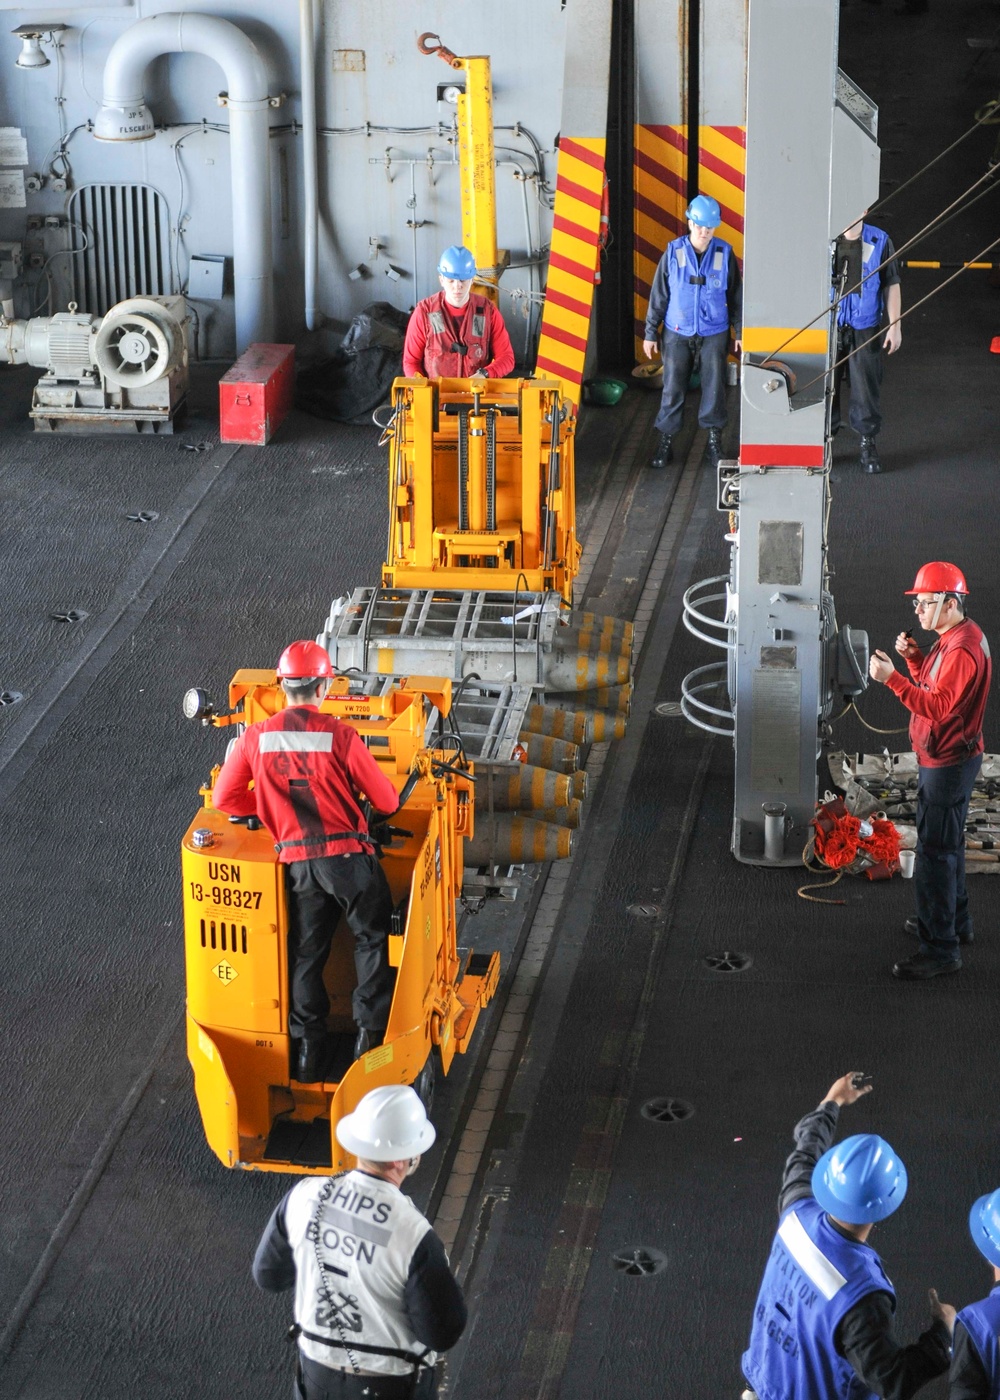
(388, 1125)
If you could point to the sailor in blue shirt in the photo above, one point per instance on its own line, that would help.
(866, 279)
(696, 296)
(975, 1359)
(822, 1325)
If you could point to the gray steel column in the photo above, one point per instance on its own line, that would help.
(780, 672)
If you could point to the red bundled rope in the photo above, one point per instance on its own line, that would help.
(851, 845)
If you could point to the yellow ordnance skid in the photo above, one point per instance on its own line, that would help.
(236, 926)
(482, 486)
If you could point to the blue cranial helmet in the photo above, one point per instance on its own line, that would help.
(704, 211)
(457, 262)
(984, 1226)
(859, 1181)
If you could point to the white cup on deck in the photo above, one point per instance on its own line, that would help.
(906, 859)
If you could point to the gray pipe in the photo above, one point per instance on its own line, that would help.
(774, 830)
(310, 196)
(124, 116)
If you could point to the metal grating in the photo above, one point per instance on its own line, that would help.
(122, 233)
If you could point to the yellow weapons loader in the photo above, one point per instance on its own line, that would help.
(236, 938)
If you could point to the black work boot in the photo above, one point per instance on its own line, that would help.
(869, 455)
(311, 1056)
(713, 449)
(367, 1040)
(664, 451)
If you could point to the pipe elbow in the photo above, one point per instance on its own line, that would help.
(124, 115)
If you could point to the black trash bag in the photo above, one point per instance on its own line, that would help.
(359, 377)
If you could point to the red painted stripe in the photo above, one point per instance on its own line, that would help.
(578, 152)
(575, 269)
(670, 178)
(732, 219)
(579, 308)
(574, 230)
(642, 288)
(647, 249)
(729, 173)
(659, 215)
(575, 342)
(668, 223)
(779, 454)
(573, 375)
(673, 137)
(735, 134)
(592, 198)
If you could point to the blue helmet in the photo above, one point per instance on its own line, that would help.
(457, 262)
(704, 211)
(859, 1181)
(984, 1225)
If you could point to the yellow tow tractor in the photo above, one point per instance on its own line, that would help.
(236, 925)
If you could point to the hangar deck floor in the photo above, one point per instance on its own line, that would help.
(126, 1245)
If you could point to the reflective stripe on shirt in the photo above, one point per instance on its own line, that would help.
(810, 1258)
(296, 741)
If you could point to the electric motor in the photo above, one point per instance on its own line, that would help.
(62, 344)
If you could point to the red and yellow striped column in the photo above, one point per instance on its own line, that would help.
(573, 260)
(660, 176)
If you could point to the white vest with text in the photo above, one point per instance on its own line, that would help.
(363, 1237)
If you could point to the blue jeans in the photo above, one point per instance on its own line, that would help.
(678, 355)
(943, 797)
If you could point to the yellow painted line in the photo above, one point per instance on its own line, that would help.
(386, 659)
(719, 144)
(573, 209)
(655, 233)
(577, 249)
(580, 171)
(570, 321)
(763, 340)
(656, 190)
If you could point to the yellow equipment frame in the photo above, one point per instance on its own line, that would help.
(236, 925)
(482, 490)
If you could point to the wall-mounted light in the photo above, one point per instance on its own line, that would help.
(31, 36)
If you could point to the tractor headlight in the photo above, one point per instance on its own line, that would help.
(196, 704)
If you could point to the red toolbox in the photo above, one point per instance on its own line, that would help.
(256, 393)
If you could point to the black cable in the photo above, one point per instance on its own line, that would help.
(988, 120)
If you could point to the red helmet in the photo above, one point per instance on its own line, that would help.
(938, 577)
(302, 661)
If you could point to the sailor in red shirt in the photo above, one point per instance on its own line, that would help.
(946, 696)
(309, 771)
(456, 333)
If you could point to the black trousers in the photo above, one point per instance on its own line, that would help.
(318, 892)
(316, 1382)
(865, 372)
(943, 796)
(677, 352)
